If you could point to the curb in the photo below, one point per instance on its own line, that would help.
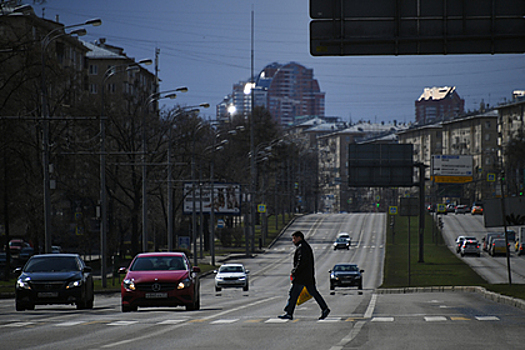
(498, 298)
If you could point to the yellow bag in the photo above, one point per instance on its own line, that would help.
(304, 296)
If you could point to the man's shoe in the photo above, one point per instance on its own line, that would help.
(286, 317)
(324, 314)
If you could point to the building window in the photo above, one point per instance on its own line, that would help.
(93, 89)
(93, 69)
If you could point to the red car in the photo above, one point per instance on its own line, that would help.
(160, 279)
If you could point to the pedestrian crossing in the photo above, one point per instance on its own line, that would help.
(231, 321)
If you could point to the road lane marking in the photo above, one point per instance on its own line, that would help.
(371, 306)
(487, 318)
(276, 320)
(68, 324)
(122, 323)
(435, 318)
(224, 321)
(383, 319)
(171, 322)
(18, 324)
(173, 327)
(460, 318)
(353, 333)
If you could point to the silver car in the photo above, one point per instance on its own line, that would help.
(232, 276)
(470, 247)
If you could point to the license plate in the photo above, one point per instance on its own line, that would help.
(48, 294)
(156, 295)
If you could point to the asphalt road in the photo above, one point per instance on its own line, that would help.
(234, 319)
(492, 269)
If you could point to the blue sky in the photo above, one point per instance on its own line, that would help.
(206, 45)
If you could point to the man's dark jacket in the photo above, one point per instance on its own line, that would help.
(303, 264)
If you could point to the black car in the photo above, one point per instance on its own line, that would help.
(54, 279)
(346, 275)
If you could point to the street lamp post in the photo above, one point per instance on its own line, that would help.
(152, 98)
(103, 202)
(188, 109)
(45, 117)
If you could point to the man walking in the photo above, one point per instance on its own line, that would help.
(303, 275)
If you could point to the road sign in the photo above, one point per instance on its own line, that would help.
(409, 206)
(441, 208)
(184, 242)
(392, 210)
(414, 27)
(491, 177)
(451, 165)
(451, 179)
(261, 208)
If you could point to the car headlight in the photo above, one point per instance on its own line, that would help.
(129, 284)
(218, 277)
(242, 278)
(74, 284)
(23, 284)
(185, 283)
(357, 277)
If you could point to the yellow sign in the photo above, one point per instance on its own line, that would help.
(452, 179)
(261, 208)
(392, 210)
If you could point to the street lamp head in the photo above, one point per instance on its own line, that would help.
(146, 61)
(204, 105)
(171, 96)
(94, 22)
(78, 32)
(182, 89)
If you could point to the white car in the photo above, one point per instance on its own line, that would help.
(346, 236)
(232, 276)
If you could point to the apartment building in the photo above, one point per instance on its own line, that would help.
(287, 90)
(37, 52)
(512, 136)
(438, 103)
(474, 135)
(477, 136)
(125, 82)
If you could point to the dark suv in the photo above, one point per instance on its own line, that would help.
(54, 279)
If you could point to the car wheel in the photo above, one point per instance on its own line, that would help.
(19, 307)
(360, 286)
(462, 254)
(332, 287)
(218, 289)
(347, 248)
(246, 288)
(128, 308)
(81, 305)
(335, 248)
(89, 303)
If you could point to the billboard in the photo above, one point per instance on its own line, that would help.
(380, 165)
(414, 27)
(514, 212)
(227, 198)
